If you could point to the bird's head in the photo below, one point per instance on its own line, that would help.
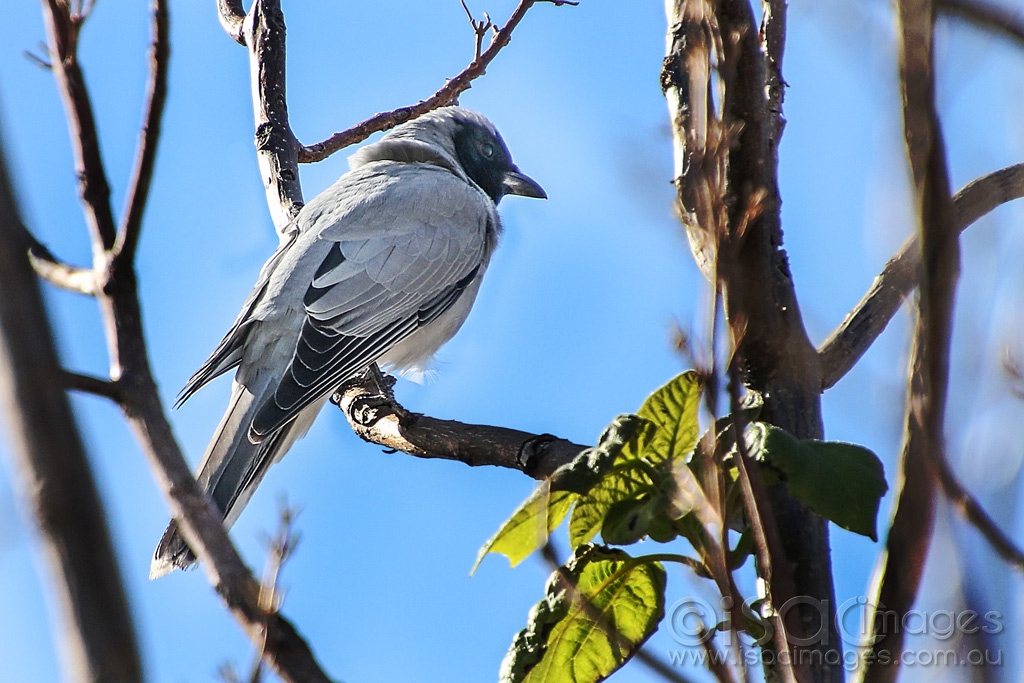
(486, 159)
(465, 137)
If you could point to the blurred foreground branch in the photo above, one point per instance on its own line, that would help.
(898, 575)
(96, 634)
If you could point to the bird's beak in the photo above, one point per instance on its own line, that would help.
(523, 185)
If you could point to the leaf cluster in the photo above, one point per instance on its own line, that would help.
(644, 480)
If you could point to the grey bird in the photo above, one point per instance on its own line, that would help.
(383, 267)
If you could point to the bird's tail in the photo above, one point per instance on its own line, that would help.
(230, 471)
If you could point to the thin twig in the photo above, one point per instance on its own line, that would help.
(88, 384)
(62, 30)
(968, 506)
(39, 61)
(447, 94)
(869, 318)
(60, 274)
(988, 16)
(480, 29)
(149, 136)
(279, 549)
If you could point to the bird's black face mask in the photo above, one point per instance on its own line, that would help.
(487, 162)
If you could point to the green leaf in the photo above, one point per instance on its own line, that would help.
(673, 410)
(642, 471)
(589, 467)
(529, 526)
(628, 521)
(533, 521)
(842, 482)
(627, 482)
(598, 593)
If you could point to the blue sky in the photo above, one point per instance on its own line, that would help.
(572, 325)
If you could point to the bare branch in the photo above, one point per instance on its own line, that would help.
(480, 29)
(909, 538)
(48, 455)
(370, 407)
(93, 385)
(988, 16)
(200, 523)
(277, 150)
(447, 94)
(232, 17)
(968, 506)
(62, 30)
(58, 273)
(145, 156)
(848, 342)
(279, 549)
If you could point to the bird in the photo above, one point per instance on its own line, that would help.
(381, 267)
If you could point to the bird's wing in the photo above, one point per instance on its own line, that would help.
(396, 261)
(228, 353)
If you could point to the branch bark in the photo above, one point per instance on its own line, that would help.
(370, 407)
(97, 637)
(277, 149)
(729, 203)
(145, 157)
(62, 29)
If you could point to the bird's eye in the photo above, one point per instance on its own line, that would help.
(487, 149)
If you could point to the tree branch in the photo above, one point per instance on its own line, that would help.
(277, 149)
(232, 16)
(145, 156)
(447, 94)
(902, 564)
(58, 273)
(968, 506)
(370, 407)
(62, 30)
(854, 336)
(88, 384)
(767, 539)
(96, 630)
(991, 17)
(729, 203)
(198, 520)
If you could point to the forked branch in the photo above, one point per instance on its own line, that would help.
(447, 94)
